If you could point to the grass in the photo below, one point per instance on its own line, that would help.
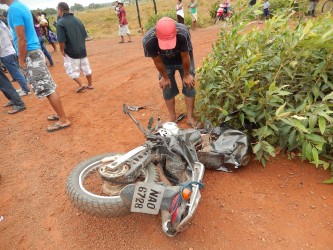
(104, 22)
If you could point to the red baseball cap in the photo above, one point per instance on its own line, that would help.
(166, 33)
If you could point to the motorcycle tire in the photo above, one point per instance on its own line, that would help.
(216, 20)
(94, 204)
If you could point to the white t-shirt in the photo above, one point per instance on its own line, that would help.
(6, 46)
(266, 5)
(180, 11)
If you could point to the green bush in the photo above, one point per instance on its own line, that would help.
(281, 80)
(152, 20)
(213, 9)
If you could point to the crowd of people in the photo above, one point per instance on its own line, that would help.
(168, 44)
(23, 55)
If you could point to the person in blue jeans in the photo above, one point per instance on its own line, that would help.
(11, 94)
(9, 59)
(41, 40)
(32, 60)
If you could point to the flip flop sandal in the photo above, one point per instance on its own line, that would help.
(53, 118)
(56, 127)
(8, 104)
(89, 87)
(121, 42)
(16, 110)
(195, 125)
(79, 90)
(180, 117)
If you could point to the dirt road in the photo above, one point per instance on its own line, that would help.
(282, 206)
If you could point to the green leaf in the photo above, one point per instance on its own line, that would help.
(312, 121)
(256, 148)
(326, 116)
(306, 29)
(300, 126)
(293, 64)
(280, 110)
(308, 152)
(315, 156)
(328, 97)
(315, 138)
(272, 87)
(322, 125)
(292, 138)
(326, 165)
(329, 181)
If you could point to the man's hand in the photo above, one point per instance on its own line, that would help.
(165, 82)
(188, 80)
(63, 53)
(22, 64)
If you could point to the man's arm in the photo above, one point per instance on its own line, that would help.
(62, 48)
(22, 45)
(188, 79)
(61, 37)
(165, 81)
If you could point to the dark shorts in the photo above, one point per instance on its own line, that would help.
(180, 19)
(169, 93)
(266, 12)
(38, 75)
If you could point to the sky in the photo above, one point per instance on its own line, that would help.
(42, 4)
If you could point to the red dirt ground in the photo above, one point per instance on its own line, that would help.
(283, 206)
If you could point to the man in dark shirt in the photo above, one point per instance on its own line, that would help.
(71, 37)
(169, 45)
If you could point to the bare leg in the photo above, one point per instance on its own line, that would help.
(195, 25)
(122, 39)
(89, 78)
(78, 81)
(55, 102)
(171, 108)
(54, 47)
(129, 38)
(189, 101)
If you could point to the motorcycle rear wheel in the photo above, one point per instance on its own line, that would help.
(97, 204)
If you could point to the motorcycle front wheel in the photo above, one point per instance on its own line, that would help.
(84, 188)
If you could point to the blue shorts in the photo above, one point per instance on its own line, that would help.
(169, 93)
(266, 12)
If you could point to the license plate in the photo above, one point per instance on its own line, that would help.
(147, 198)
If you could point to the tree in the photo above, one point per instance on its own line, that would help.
(94, 6)
(50, 11)
(77, 7)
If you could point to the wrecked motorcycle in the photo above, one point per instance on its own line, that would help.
(164, 174)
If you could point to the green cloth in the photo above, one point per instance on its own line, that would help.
(193, 7)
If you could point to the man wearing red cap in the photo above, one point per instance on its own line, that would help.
(169, 45)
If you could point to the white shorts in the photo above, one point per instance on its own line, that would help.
(123, 30)
(194, 17)
(73, 66)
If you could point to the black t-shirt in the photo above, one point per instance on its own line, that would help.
(183, 44)
(71, 31)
